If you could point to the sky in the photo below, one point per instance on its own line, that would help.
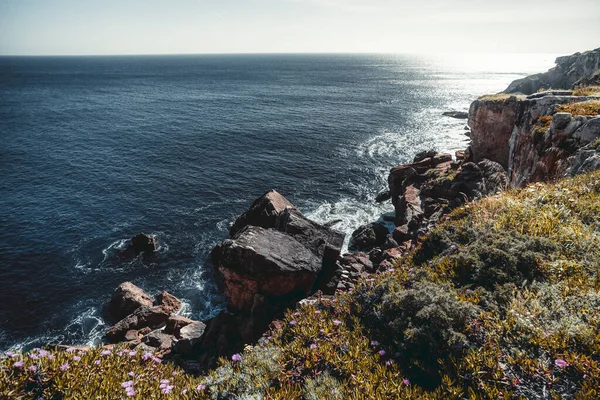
(96, 27)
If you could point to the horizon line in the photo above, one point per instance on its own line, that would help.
(276, 53)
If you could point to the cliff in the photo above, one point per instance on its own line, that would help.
(534, 137)
(569, 72)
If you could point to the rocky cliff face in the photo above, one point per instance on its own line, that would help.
(570, 71)
(530, 136)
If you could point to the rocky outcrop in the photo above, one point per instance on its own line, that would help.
(432, 185)
(569, 72)
(586, 159)
(456, 114)
(528, 136)
(143, 317)
(275, 252)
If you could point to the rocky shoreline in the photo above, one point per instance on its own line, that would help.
(276, 257)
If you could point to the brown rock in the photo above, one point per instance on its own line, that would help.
(441, 158)
(264, 212)
(132, 336)
(267, 262)
(151, 317)
(126, 299)
(175, 323)
(168, 302)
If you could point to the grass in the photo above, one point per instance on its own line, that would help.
(497, 97)
(587, 91)
(500, 301)
(590, 107)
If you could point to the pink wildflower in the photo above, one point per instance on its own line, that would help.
(64, 367)
(19, 364)
(313, 346)
(561, 363)
(236, 357)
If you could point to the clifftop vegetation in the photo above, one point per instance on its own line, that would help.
(502, 300)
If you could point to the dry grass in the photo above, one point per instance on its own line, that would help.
(587, 91)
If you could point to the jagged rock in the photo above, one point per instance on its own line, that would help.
(401, 234)
(175, 323)
(159, 340)
(457, 114)
(268, 262)
(383, 196)
(366, 237)
(589, 132)
(142, 243)
(570, 71)
(144, 316)
(132, 336)
(585, 159)
(168, 302)
(264, 212)
(409, 206)
(420, 156)
(126, 298)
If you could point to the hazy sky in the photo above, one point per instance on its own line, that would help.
(265, 26)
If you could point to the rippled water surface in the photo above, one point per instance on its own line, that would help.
(96, 149)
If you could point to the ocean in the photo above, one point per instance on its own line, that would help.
(94, 150)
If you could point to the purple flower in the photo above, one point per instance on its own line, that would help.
(132, 353)
(132, 374)
(64, 367)
(33, 368)
(561, 363)
(374, 343)
(236, 357)
(130, 391)
(391, 270)
(146, 356)
(389, 362)
(293, 322)
(105, 352)
(184, 391)
(297, 313)
(201, 387)
(11, 354)
(127, 384)
(50, 357)
(97, 362)
(405, 381)
(70, 349)
(156, 360)
(337, 322)
(370, 280)
(168, 389)
(42, 353)
(382, 353)
(33, 356)
(313, 346)
(120, 353)
(317, 312)
(19, 364)
(165, 381)
(76, 358)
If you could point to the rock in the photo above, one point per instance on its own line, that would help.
(457, 114)
(175, 323)
(366, 237)
(268, 262)
(424, 155)
(126, 298)
(383, 196)
(264, 212)
(132, 336)
(142, 243)
(409, 206)
(401, 234)
(589, 132)
(168, 302)
(569, 72)
(441, 158)
(331, 224)
(585, 159)
(144, 316)
(159, 340)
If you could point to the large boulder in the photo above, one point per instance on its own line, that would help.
(368, 236)
(175, 323)
(126, 298)
(267, 262)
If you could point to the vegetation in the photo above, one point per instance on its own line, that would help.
(587, 91)
(590, 107)
(498, 97)
(500, 301)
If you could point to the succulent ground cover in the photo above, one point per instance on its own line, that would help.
(502, 300)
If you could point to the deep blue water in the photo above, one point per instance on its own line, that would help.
(96, 149)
